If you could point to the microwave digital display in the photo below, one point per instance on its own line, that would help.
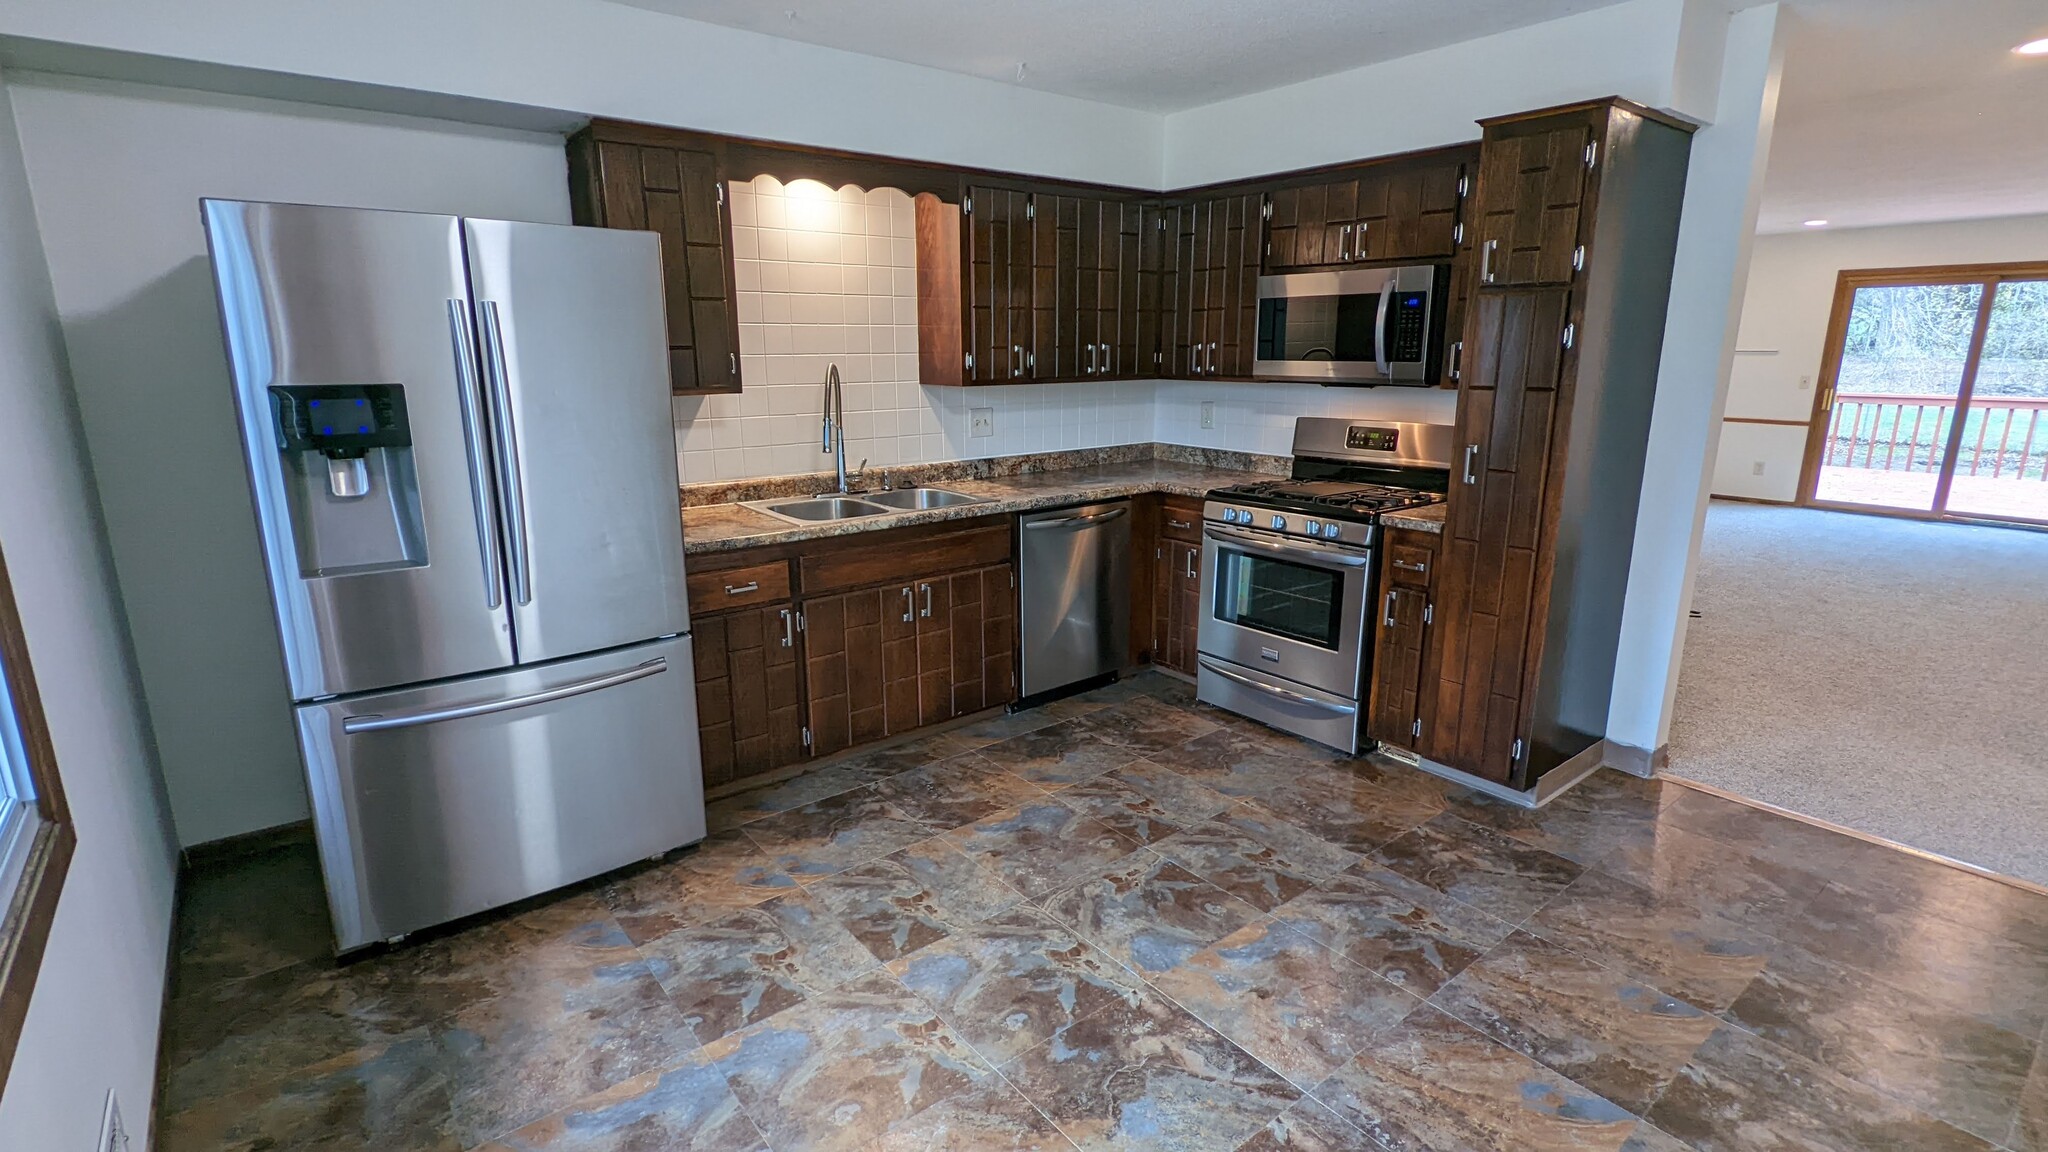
(1372, 439)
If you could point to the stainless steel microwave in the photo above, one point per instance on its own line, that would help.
(1362, 326)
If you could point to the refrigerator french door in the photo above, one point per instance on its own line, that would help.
(458, 440)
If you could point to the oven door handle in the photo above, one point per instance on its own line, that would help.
(1282, 693)
(1380, 358)
(1299, 551)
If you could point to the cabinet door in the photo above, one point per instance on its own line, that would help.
(1127, 355)
(1397, 665)
(1156, 280)
(980, 636)
(1183, 352)
(934, 625)
(1489, 595)
(1177, 594)
(1234, 329)
(677, 194)
(1422, 214)
(899, 658)
(1530, 189)
(1088, 281)
(842, 638)
(749, 711)
(1000, 284)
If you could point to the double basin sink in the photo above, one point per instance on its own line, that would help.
(823, 508)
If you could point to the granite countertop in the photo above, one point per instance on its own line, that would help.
(1426, 519)
(724, 527)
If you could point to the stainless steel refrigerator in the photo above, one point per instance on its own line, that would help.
(459, 443)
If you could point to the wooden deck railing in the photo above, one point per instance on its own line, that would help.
(2004, 437)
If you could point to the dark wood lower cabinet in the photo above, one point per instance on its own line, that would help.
(750, 715)
(1405, 618)
(1177, 584)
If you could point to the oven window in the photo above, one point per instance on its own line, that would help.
(1318, 327)
(1297, 601)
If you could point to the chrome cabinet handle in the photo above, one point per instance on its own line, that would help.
(1486, 261)
(742, 589)
(1343, 243)
(1458, 360)
(1282, 693)
(1358, 247)
(377, 722)
(1016, 359)
(788, 628)
(1411, 567)
(1191, 573)
(508, 453)
(1388, 617)
(732, 360)
(1091, 359)
(926, 611)
(1195, 358)
(909, 606)
(473, 443)
(1178, 524)
(1212, 358)
(1471, 450)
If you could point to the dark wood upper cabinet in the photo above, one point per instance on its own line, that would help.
(1217, 287)
(678, 193)
(1563, 329)
(1394, 210)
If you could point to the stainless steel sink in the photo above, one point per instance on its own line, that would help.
(922, 498)
(821, 508)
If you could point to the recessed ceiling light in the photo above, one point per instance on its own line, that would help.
(2033, 48)
(1815, 223)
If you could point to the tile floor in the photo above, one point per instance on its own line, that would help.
(1129, 921)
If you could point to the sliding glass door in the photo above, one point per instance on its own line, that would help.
(1934, 389)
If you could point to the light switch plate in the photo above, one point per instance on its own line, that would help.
(1208, 413)
(981, 421)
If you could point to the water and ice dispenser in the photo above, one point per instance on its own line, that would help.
(350, 484)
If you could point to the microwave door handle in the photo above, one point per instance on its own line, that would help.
(1380, 358)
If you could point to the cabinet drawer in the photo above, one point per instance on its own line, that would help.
(1410, 565)
(883, 560)
(738, 587)
(1181, 519)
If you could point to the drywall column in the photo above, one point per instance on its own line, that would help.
(92, 1021)
(1709, 276)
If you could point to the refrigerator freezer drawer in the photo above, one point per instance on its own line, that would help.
(433, 803)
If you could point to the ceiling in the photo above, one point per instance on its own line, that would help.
(1158, 55)
(1908, 111)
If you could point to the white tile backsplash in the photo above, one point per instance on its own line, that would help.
(829, 277)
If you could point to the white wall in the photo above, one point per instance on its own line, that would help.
(592, 58)
(1785, 320)
(1723, 186)
(1431, 98)
(828, 276)
(117, 173)
(92, 1022)
(1260, 417)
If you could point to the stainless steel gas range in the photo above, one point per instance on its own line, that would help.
(1289, 572)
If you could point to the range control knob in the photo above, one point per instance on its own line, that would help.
(1232, 516)
(1331, 531)
(1279, 523)
(1315, 527)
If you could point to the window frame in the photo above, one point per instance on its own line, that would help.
(32, 906)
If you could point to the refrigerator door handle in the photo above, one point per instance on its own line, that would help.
(473, 441)
(508, 452)
(373, 722)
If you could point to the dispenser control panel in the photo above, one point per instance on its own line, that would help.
(340, 420)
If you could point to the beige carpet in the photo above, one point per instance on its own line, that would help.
(1887, 675)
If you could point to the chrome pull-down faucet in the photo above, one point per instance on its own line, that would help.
(835, 424)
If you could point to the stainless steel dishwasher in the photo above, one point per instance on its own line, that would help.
(1074, 595)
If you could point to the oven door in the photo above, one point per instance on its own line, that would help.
(1290, 608)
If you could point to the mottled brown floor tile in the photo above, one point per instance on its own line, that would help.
(1432, 1083)
(1058, 755)
(1496, 874)
(1147, 725)
(846, 1067)
(996, 729)
(1920, 887)
(834, 834)
(1647, 1137)
(958, 790)
(1300, 1008)
(384, 1096)
(1163, 688)
(1768, 836)
(1149, 913)
(1143, 801)
(1622, 1040)
(1741, 1093)
(684, 1108)
(1402, 780)
(1149, 1076)
(1404, 930)
(990, 1117)
(1345, 809)
(877, 764)
(1247, 764)
(252, 915)
(1714, 878)
(743, 808)
(1703, 960)
(1014, 981)
(1041, 847)
(900, 903)
(1951, 1065)
(1318, 856)
(725, 872)
(1579, 830)
(1917, 948)
(1309, 1127)
(748, 965)
(515, 1059)
(1250, 869)
(2030, 1127)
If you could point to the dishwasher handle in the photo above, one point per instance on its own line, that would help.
(1073, 521)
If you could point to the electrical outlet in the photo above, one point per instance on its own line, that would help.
(1756, 469)
(113, 1136)
(981, 421)
(1208, 413)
